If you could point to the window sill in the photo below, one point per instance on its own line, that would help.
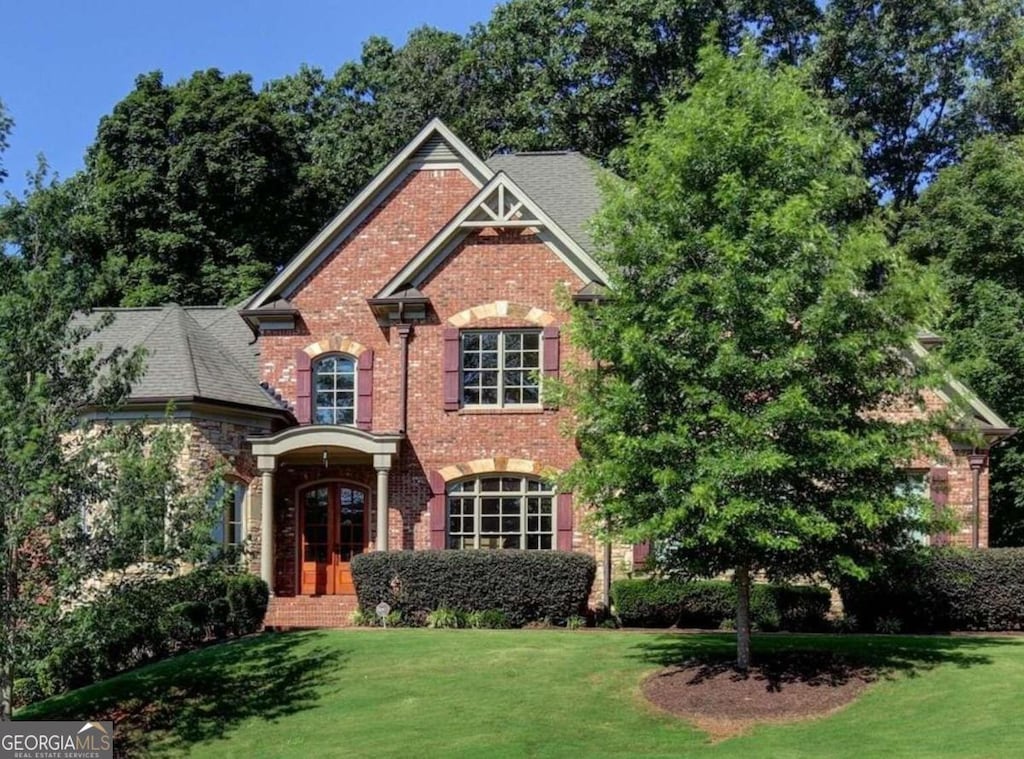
(495, 410)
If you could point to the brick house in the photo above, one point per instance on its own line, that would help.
(381, 392)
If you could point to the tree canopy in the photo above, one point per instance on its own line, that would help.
(746, 363)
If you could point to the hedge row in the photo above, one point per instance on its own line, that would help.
(941, 589)
(712, 604)
(147, 620)
(526, 586)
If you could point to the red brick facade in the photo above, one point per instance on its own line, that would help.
(507, 279)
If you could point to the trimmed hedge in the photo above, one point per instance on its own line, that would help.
(148, 620)
(525, 585)
(941, 589)
(712, 603)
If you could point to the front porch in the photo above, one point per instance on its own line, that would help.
(324, 498)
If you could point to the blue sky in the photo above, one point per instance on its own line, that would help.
(67, 63)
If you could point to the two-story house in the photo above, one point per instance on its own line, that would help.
(383, 391)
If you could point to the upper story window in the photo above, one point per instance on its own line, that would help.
(334, 390)
(501, 368)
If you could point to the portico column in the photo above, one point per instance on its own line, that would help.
(266, 466)
(382, 463)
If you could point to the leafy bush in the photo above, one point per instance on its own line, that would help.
(488, 619)
(711, 604)
(941, 589)
(523, 585)
(147, 620)
(441, 619)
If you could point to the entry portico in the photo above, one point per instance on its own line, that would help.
(314, 445)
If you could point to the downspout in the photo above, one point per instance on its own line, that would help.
(977, 461)
(404, 332)
(606, 590)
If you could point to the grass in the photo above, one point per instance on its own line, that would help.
(535, 693)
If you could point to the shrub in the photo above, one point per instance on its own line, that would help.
(146, 620)
(489, 619)
(523, 585)
(710, 604)
(443, 618)
(941, 589)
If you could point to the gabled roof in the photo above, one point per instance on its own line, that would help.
(563, 183)
(501, 202)
(434, 145)
(978, 416)
(204, 353)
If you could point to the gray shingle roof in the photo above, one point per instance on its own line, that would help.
(202, 352)
(563, 183)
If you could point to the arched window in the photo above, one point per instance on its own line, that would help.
(501, 511)
(334, 390)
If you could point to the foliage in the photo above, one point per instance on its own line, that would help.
(706, 604)
(135, 623)
(154, 511)
(524, 585)
(744, 367)
(487, 619)
(444, 618)
(915, 80)
(941, 589)
(969, 225)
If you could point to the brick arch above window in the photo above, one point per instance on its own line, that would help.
(335, 344)
(363, 359)
(496, 465)
(502, 308)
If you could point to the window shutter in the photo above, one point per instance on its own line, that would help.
(451, 369)
(364, 382)
(303, 387)
(438, 507)
(640, 553)
(938, 489)
(550, 355)
(564, 516)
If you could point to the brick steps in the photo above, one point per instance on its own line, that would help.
(298, 612)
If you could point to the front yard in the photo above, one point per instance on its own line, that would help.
(536, 693)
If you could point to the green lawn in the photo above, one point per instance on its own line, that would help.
(536, 693)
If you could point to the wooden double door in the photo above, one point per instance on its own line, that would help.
(333, 527)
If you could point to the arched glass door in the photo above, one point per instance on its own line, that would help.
(333, 529)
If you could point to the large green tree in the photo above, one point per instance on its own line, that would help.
(734, 408)
(915, 81)
(969, 225)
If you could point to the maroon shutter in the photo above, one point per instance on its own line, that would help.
(564, 505)
(938, 488)
(303, 384)
(640, 553)
(550, 356)
(364, 401)
(451, 369)
(438, 507)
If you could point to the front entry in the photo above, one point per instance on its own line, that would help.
(332, 529)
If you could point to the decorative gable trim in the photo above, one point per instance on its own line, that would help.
(979, 418)
(434, 147)
(499, 204)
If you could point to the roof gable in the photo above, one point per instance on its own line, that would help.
(435, 146)
(500, 203)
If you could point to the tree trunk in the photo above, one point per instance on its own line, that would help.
(742, 580)
(6, 690)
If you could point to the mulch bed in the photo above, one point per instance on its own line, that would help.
(781, 687)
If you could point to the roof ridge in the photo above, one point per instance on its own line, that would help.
(202, 333)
